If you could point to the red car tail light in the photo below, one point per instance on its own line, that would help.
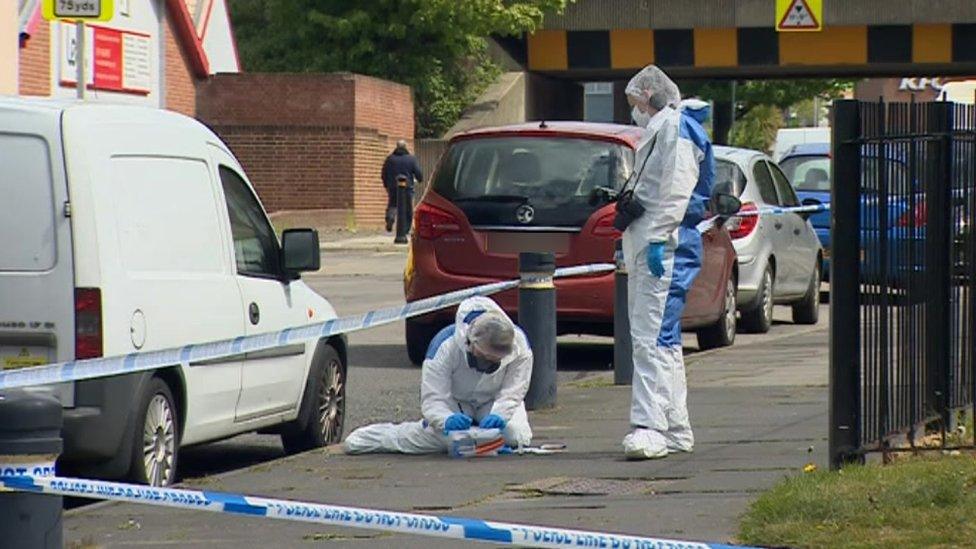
(920, 215)
(431, 222)
(88, 323)
(741, 227)
(604, 226)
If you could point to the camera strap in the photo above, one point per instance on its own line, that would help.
(635, 176)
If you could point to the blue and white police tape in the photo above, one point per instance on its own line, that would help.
(765, 210)
(150, 360)
(776, 210)
(475, 530)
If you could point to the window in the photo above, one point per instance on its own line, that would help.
(786, 195)
(729, 178)
(765, 183)
(27, 207)
(808, 173)
(255, 244)
(558, 177)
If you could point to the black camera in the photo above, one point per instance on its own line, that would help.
(628, 210)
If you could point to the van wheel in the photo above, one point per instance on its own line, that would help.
(807, 311)
(323, 409)
(760, 319)
(155, 446)
(419, 336)
(722, 333)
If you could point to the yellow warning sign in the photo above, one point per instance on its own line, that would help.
(799, 15)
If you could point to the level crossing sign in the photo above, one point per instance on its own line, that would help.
(799, 15)
(77, 10)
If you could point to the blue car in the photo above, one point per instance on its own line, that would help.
(808, 167)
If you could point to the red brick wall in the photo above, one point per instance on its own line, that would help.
(295, 168)
(311, 141)
(179, 92)
(35, 62)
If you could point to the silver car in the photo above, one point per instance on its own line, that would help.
(779, 254)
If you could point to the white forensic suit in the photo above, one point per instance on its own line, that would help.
(659, 410)
(449, 386)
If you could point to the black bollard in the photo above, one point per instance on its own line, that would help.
(404, 208)
(30, 441)
(537, 317)
(623, 350)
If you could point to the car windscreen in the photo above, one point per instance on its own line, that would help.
(558, 178)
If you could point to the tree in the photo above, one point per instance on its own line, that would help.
(752, 93)
(437, 47)
(757, 129)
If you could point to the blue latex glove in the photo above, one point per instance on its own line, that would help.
(492, 421)
(457, 422)
(655, 259)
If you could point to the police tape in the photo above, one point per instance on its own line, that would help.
(707, 224)
(460, 528)
(777, 210)
(76, 370)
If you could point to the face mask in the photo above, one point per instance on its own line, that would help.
(482, 365)
(640, 117)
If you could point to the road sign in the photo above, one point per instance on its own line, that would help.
(799, 15)
(77, 10)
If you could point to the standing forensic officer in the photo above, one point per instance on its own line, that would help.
(663, 254)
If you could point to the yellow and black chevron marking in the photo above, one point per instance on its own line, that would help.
(560, 50)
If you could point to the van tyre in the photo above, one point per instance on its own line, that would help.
(722, 333)
(419, 336)
(323, 409)
(807, 311)
(155, 447)
(760, 319)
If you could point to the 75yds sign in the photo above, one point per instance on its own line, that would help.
(76, 10)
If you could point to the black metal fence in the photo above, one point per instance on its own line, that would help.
(902, 346)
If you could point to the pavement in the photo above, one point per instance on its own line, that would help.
(366, 241)
(758, 409)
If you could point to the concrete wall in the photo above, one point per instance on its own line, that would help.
(313, 145)
(504, 102)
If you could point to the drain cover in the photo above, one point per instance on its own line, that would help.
(581, 486)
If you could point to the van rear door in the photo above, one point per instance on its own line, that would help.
(36, 271)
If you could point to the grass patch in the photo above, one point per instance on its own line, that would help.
(923, 502)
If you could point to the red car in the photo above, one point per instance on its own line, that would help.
(543, 187)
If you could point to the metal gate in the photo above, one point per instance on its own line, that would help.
(902, 346)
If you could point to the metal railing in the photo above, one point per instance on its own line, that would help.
(902, 346)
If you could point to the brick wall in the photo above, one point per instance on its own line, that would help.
(311, 142)
(295, 168)
(35, 62)
(179, 93)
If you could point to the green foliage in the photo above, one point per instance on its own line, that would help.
(912, 503)
(779, 93)
(757, 129)
(438, 47)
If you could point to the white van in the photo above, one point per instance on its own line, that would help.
(132, 229)
(787, 138)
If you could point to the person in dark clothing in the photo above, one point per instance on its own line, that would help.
(399, 163)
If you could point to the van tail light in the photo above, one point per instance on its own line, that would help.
(88, 323)
(604, 226)
(742, 226)
(915, 218)
(430, 222)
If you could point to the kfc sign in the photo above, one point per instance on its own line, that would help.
(920, 84)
